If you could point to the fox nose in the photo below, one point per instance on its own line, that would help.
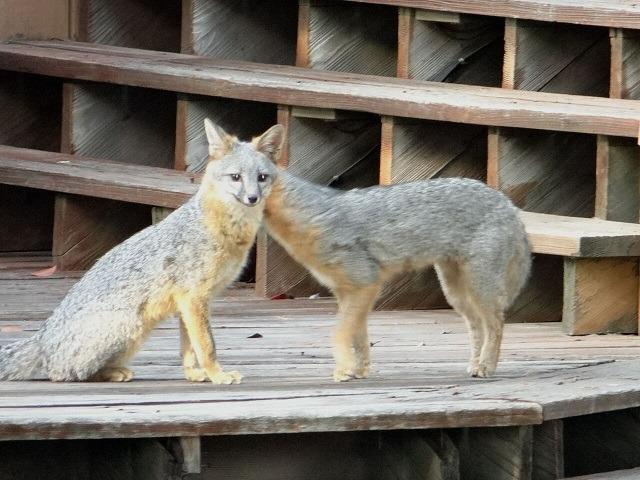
(252, 199)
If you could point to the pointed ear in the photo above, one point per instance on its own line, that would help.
(220, 142)
(270, 142)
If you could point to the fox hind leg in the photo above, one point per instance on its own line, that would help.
(454, 284)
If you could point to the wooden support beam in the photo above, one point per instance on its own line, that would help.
(419, 455)
(600, 295)
(444, 47)
(548, 451)
(191, 453)
(496, 453)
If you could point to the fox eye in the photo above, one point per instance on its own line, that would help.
(263, 177)
(235, 177)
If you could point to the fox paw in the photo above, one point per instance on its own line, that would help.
(113, 374)
(225, 378)
(481, 370)
(345, 374)
(195, 374)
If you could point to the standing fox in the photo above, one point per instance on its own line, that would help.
(353, 241)
(174, 266)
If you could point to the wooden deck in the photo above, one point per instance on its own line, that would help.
(283, 349)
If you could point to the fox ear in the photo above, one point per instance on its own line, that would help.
(220, 142)
(270, 142)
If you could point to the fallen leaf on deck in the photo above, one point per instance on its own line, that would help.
(11, 328)
(46, 272)
(255, 335)
(282, 296)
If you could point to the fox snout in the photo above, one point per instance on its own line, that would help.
(251, 200)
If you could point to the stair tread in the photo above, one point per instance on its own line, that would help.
(620, 14)
(324, 89)
(96, 178)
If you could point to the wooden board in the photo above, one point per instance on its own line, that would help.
(65, 173)
(313, 88)
(581, 237)
(417, 378)
(132, 125)
(347, 37)
(468, 51)
(86, 228)
(247, 30)
(149, 24)
(591, 302)
(41, 19)
(622, 14)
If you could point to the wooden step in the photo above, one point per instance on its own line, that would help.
(631, 474)
(73, 174)
(581, 237)
(324, 89)
(621, 14)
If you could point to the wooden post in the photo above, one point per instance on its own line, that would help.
(548, 451)
(499, 453)
(600, 295)
(191, 452)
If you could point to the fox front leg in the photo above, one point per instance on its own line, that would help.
(201, 347)
(351, 341)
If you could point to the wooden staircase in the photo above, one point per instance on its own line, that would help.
(538, 98)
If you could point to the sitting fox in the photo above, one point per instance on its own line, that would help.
(174, 266)
(353, 241)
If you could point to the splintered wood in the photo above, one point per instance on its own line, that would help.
(417, 379)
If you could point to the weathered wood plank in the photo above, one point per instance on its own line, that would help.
(65, 173)
(624, 14)
(313, 88)
(591, 303)
(630, 474)
(581, 237)
(34, 19)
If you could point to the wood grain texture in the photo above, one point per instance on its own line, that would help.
(65, 173)
(624, 14)
(590, 303)
(243, 119)
(547, 173)
(581, 237)
(86, 228)
(497, 453)
(286, 390)
(243, 30)
(148, 24)
(313, 88)
(558, 58)
(121, 123)
(617, 179)
(548, 451)
(468, 52)
(349, 38)
(42, 19)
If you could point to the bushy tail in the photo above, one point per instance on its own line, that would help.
(20, 360)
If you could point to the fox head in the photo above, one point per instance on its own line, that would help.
(242, 171)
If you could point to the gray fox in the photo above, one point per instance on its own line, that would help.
(173, 266)
(353, 241)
